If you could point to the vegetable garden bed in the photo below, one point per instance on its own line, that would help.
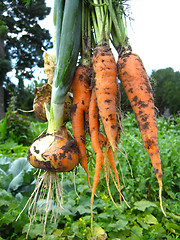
(144, 220)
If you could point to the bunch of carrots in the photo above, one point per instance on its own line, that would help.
(96, 96)
(96, 93)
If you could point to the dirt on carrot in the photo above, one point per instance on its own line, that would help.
(105, 77)
(94, 133)
(79, 113)
(136, 83)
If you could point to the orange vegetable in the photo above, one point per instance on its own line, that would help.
(105, 71)
(111, 160)
(137, 87)
(79, 114)
(94, 132)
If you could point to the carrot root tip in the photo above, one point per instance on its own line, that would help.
(160, 199)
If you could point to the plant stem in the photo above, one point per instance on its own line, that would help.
(68, 36)
(119, 35)
(101, 22)
(86, 36)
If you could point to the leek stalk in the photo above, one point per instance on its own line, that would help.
(68, 37)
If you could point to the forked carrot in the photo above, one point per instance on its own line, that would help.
(81, 99)
(136, 83)
(105, 71)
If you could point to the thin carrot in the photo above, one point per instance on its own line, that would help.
(105, 70)
(118, 112)
(94, 132)
(137, 87)
(111, 160)
(94, 122)
(81, 100)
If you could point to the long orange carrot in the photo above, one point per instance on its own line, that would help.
(105, 70)
(94, 132)
(81, 100)
(137, 87)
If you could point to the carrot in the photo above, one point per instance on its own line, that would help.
(105, 71)
(94, 132)
(136, 83)
(94, 123)
(111, 160)
(81, 99)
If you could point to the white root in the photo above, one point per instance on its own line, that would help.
(49, 190)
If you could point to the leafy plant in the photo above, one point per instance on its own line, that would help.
(15, 126)
(16, 176)
(166, 84)
(11, 149)
(17, 129)
(144, 220)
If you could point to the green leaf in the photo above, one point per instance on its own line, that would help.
(4, 179)
(82, 210)
(159, 230)
(5, 198)
(19, 165)
(105, 216)
(18, 168)
(9, 217)
(174, 216)
(150, 219)
(5, 160)
(99, 233)
(119, 225)
(137, 232)
(174, 228)
(58, 233)
(16, 182)
(68, 233)
(4, 163)
(35, 230)
(141, 221)
(171, 194)
(143, 204)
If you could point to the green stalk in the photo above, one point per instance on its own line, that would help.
(119, 29)
(101, 22)
(57, 19)
(68, 37)
(86, 35)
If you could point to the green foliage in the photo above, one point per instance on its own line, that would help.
(3, 29)
(16, 184)
(144, 220)
(5, 66)
(21, 19)
(16, 175)
(166, 85)
(13, 150)
(16, 128)
(22, 46)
